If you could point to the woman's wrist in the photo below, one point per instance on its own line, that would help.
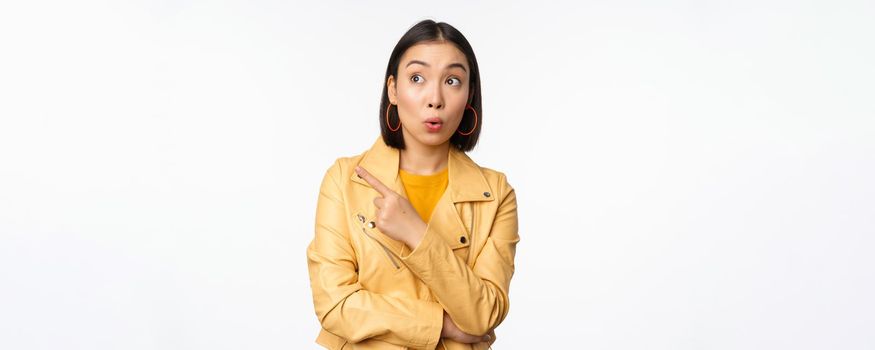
(416, 234)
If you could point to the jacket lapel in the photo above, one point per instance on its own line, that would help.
(466, 182)
(381, 161)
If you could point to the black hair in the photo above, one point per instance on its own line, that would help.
(424, 31)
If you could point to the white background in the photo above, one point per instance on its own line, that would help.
(690, 175)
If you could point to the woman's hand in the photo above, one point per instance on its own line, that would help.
(396, 217)
(453, 332)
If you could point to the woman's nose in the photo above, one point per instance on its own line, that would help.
(436, 100)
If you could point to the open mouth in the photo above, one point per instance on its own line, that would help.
(433, 124)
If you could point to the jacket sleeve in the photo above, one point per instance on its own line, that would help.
(476, 298)
(342, 305)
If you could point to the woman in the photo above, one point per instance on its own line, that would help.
(414, 245)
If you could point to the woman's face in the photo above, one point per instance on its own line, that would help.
(430, 92)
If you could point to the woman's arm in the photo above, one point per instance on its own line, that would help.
(475, 298)
(342, 305)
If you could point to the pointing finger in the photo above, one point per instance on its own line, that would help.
(376, 184)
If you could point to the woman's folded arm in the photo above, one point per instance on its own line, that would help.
(342, 305)
(476, 298)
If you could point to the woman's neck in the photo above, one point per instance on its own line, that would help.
(421, 159)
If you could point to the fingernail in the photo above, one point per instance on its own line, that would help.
(488, 338)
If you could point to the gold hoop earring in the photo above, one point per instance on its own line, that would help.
(387, 119)
(467, 107)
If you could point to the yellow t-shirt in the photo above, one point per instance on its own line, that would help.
(424, 191)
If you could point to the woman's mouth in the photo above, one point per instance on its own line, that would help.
(433, 124)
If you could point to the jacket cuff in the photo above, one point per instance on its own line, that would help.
(431, 258)
(430, 246)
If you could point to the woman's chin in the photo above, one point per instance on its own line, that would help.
(432, 139)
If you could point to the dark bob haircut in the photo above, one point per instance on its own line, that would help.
(426, 31)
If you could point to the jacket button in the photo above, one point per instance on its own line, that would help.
(463, 239)
(371, 224)
(487, 194)
(361, 218)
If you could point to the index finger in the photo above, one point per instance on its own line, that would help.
(376, 184)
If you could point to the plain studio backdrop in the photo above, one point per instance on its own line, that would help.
(690, 175)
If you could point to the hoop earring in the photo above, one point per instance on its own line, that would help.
(467, 106)
(387, 119)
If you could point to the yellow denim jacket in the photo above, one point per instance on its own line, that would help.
(371, 292)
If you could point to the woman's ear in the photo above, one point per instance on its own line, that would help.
(390, 88)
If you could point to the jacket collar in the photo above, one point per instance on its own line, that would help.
(465, 179)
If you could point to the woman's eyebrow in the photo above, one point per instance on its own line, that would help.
(451, 65)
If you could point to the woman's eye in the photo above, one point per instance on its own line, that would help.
(416, 78)
(454, 81)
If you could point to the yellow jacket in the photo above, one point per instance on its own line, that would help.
(372, 292)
